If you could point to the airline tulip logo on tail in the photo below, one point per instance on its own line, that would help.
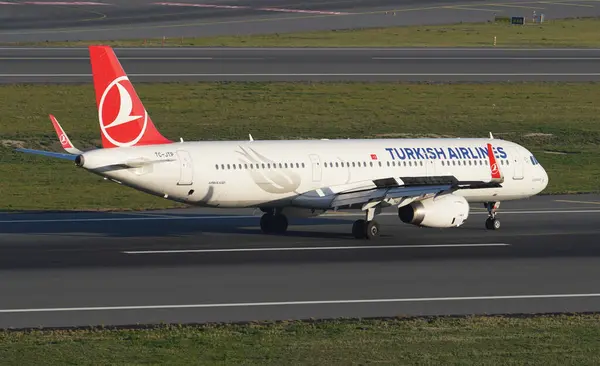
(63, 140)
(121, 122)
(273, 180)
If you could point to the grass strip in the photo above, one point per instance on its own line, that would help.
(556, 340)
(559, 122)
(578, 32)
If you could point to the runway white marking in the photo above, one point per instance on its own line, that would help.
(290, 303)
(516, 6)
(583, 202)
(565, 4)
(61, 3)
(306, 74)
(304, 49)
(237, 217)
(395, 58)
(475, 58)
(234, 250)
(204, 5)
(282, 10)
(62, 58)
(464, 7)
(303, 11)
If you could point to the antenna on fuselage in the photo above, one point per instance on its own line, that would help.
(491, 136)
(250, 136)
(181, 139)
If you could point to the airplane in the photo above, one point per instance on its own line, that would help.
(431, 181)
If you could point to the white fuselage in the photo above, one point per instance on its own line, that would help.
(268, 173)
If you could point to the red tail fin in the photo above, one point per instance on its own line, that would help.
(123, 119)
(496, 174)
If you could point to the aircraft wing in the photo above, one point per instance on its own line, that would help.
(384, 191)
(393, 191)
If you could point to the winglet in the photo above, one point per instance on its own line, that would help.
(63, 138)
(497, 175)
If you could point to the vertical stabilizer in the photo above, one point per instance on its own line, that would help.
(123, 119)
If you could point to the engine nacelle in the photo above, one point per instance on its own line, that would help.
(444, 211)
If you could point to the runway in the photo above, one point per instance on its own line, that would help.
(37, 21)
(67, 65)
(199, 265)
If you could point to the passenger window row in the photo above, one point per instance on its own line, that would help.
(352, 164)
(258, 166)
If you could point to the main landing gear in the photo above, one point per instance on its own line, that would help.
(366, 228)
(273, 222)
(492, 223)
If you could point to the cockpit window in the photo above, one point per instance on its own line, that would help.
(534, 160)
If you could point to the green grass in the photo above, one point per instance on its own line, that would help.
(549, 340)
(581, 32)
(559, 122)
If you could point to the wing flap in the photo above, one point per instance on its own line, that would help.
(314, 200)
(388, 189)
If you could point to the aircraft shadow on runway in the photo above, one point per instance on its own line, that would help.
(103, 243)
(163, 225)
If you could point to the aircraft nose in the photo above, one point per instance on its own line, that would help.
(544, 182)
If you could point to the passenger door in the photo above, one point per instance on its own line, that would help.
(186, 168)
(316, 167)
(516, 160)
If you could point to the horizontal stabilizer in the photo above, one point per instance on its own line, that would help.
(49, 154)
(129, 164)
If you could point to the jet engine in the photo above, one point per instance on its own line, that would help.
(441, 212)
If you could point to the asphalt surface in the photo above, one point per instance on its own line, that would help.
(67, 65)
(198, 265)
(30, 21)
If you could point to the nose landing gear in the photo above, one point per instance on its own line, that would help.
(492, 223)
